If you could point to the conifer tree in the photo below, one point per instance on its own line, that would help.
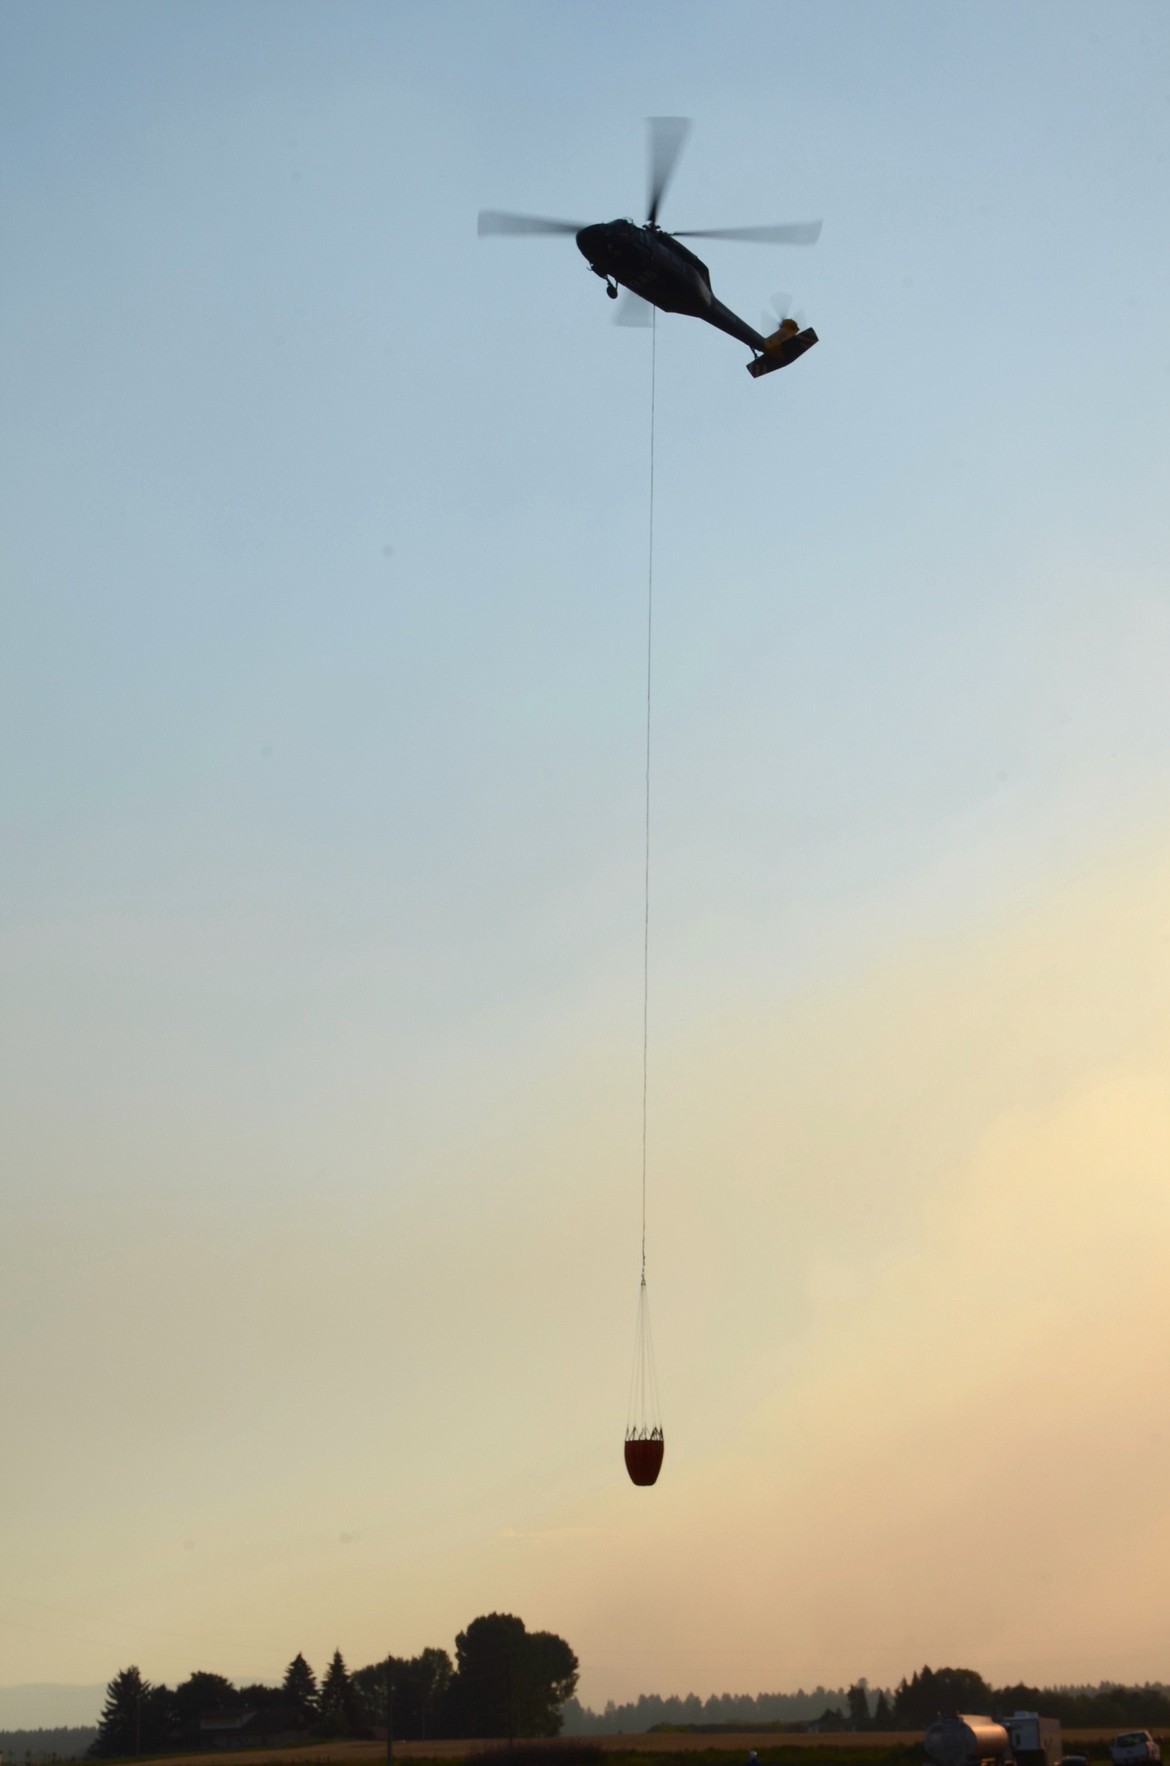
(858, 1697)
(120, 1726)
(336, 1705)
(300, 1685)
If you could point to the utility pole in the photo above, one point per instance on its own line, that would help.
(511, 1698)
(389, 1711)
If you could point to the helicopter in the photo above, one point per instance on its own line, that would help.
(656, 270)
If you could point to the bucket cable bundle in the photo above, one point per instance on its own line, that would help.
(644, 1444)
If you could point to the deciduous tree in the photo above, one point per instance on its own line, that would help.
(420, 1692)
(201, 1694)
(509, 1681)
(935, 1692)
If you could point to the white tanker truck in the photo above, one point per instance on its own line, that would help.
(1024, 1739)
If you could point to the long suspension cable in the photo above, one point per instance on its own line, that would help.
(646, 913)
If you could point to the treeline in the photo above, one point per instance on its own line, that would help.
(504, 1681)
(912, 1704)
(17, 1745)
(920, 1699)
(651, 1711)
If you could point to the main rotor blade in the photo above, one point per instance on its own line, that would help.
(667, 136)
(493, 221)
(633, 310)
(787, 233)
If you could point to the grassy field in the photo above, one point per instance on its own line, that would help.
(885, 1748)
(890, 1749)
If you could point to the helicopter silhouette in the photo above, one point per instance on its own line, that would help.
(657, 270)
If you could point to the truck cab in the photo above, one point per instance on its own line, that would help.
(1134, 1747)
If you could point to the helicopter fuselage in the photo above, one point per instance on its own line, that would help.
(663, 271)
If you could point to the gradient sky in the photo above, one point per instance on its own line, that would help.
(323, 593)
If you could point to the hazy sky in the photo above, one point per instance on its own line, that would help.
(324, 538)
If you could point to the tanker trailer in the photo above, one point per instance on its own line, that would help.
(965, 1741)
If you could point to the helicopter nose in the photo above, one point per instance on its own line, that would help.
(590, 240)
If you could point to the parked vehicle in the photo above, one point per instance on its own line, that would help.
(966, 1741)
(1035, 1740)
(1135, 1747)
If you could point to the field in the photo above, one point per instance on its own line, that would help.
(885, 1748)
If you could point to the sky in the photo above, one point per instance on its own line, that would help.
(324, 540)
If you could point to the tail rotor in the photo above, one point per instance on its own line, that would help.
(782, 317)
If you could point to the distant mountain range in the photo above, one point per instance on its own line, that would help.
(46, 1705)
(26, 1745)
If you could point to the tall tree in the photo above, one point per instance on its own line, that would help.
(125, 1723)
(509, 1681)
(858, 1697)
(337, 1707)
(259, 1696)
(299, 1686)
(882, 1716)
(550, 1677)
(205, 1691)
(426, 1680)
(201, 1695)
(420, 1690)
(939, 1692)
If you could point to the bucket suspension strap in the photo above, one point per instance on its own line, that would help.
(644, 1445)
(646, 871)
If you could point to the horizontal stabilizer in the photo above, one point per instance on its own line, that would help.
(780, 354)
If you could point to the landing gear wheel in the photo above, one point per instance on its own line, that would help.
(611, 290)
